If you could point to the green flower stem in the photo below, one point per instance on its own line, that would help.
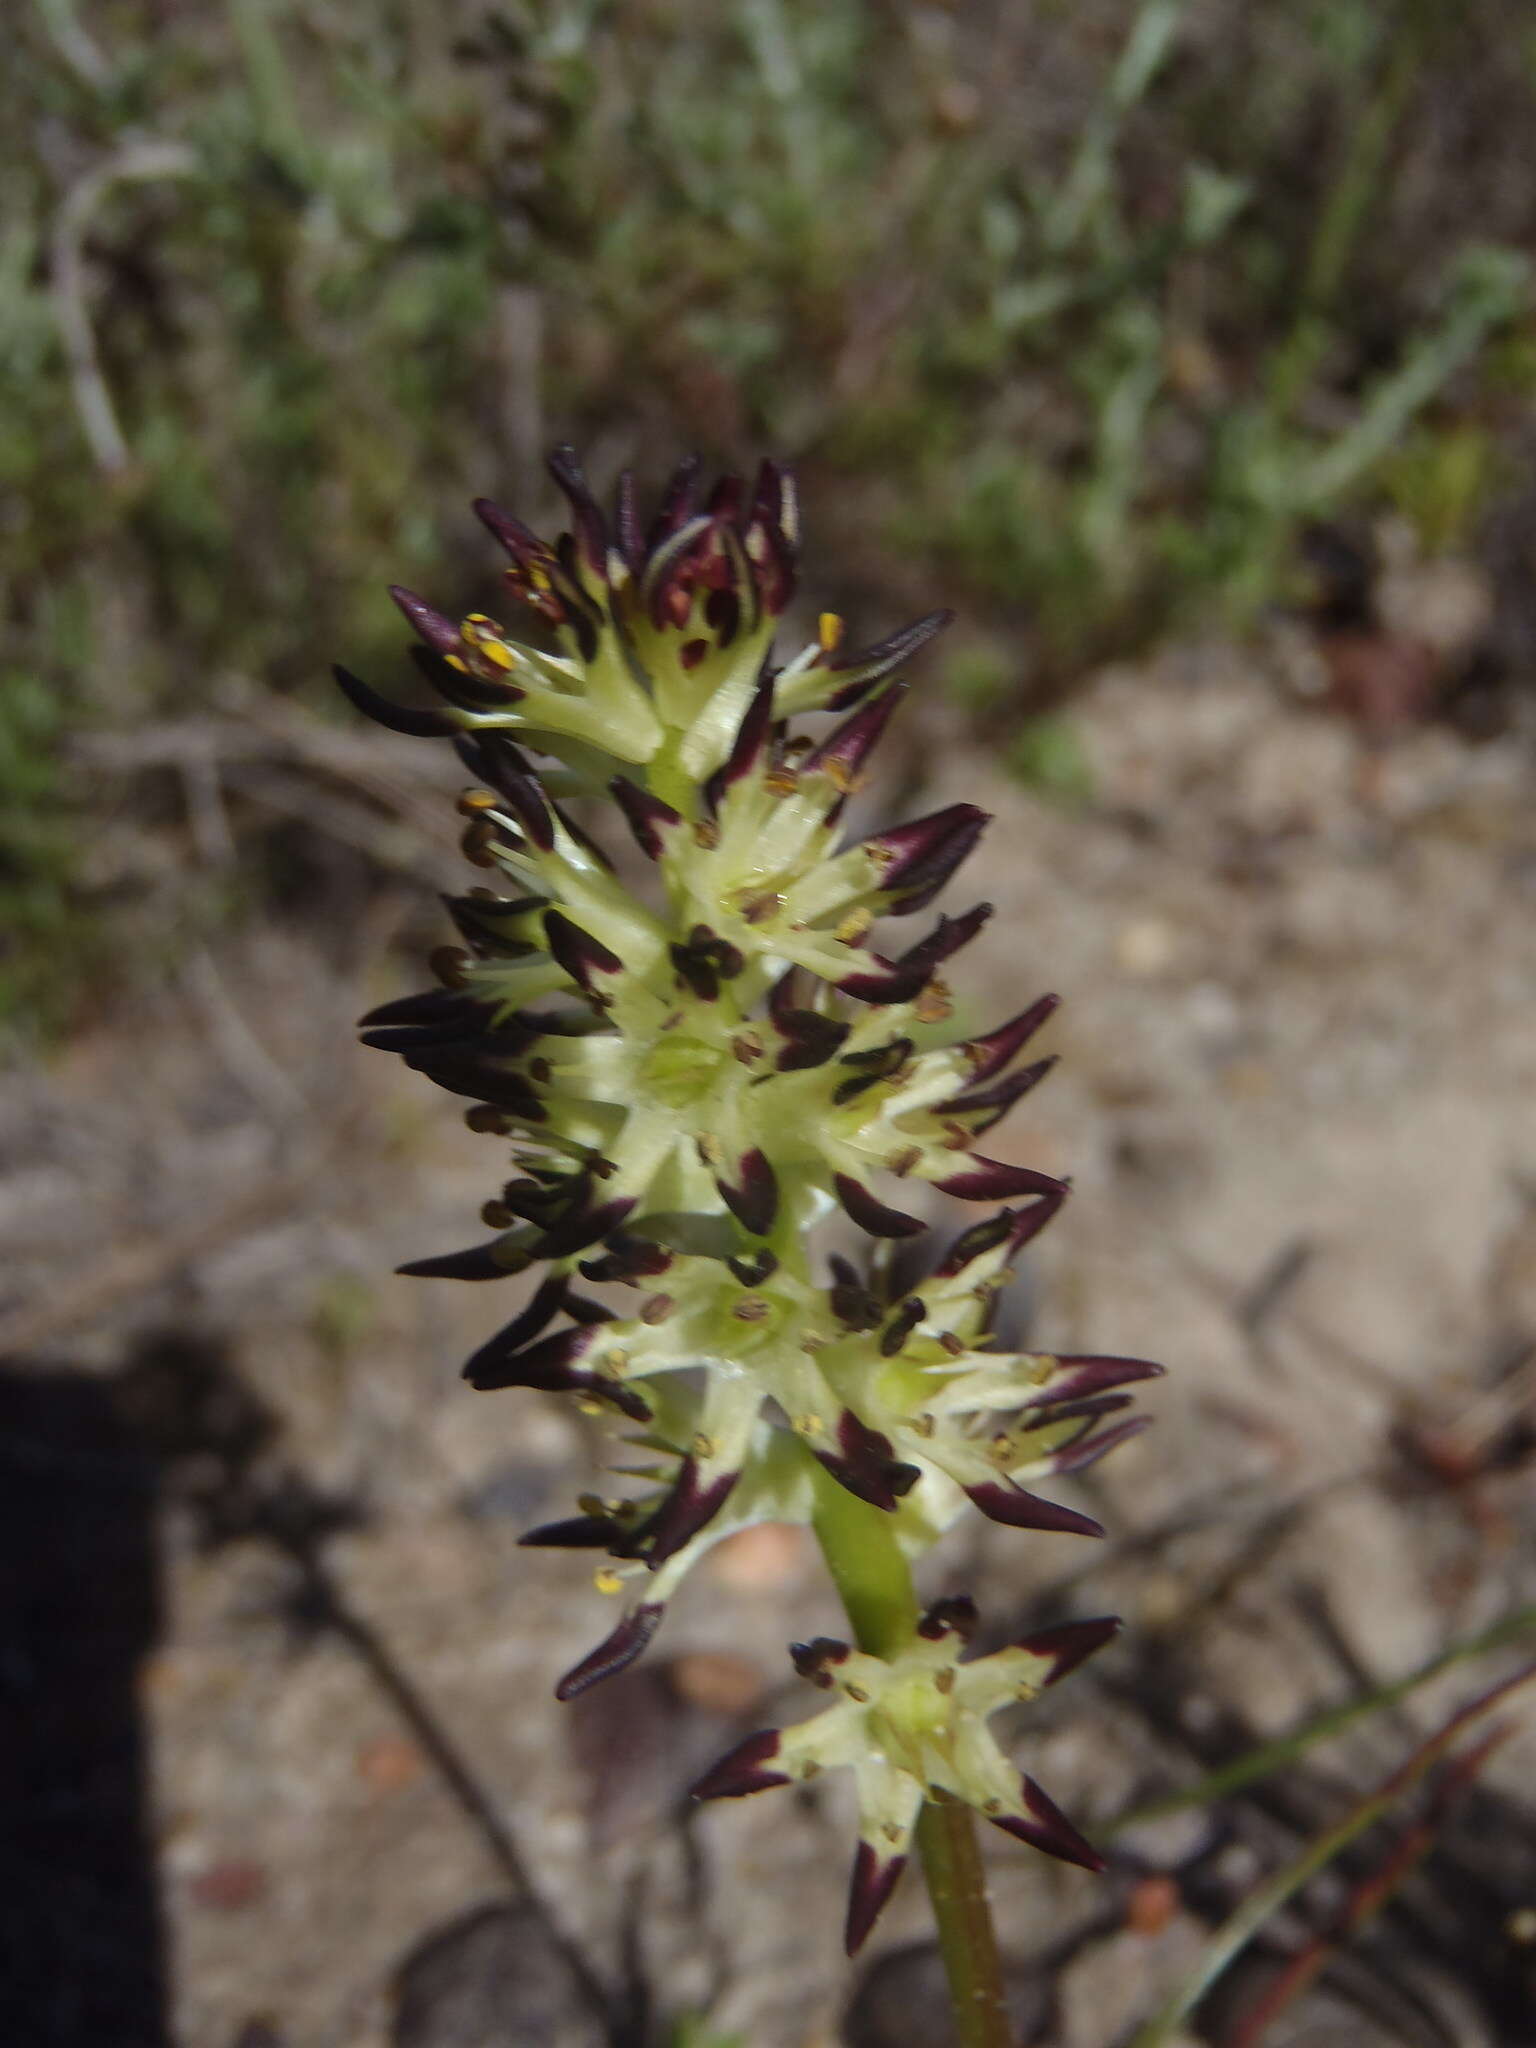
(867, 1568)
(875, 1585)
(957, 1885)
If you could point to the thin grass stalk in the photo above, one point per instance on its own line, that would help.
(1368, 1897)
(1270, 1757)
(1262, 1904)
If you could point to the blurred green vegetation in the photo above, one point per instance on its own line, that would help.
(1070, 314)
(694, 2033)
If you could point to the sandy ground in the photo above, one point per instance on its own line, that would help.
(1296, 1098)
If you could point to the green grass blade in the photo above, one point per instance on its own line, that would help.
(1270, 1757)
(1239, 1929)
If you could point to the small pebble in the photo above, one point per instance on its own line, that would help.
(229, 1885)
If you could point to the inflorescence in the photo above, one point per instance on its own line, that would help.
(694, 1076)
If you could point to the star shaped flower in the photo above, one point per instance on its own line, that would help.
(913, 1728)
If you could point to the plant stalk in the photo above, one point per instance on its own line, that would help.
(875, 1585)
(957, 1885)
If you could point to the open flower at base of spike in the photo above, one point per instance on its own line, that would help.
(914, 1728)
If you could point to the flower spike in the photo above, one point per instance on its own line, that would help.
(685, 1065)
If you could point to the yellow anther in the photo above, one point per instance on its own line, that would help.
(780, 782)
(829, 632)
(473, 801)
(854, 926)
(857, 1694)
(607, 1580)
(809, 1424)
(703, 1446)
(706, 833)
(483, 635)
